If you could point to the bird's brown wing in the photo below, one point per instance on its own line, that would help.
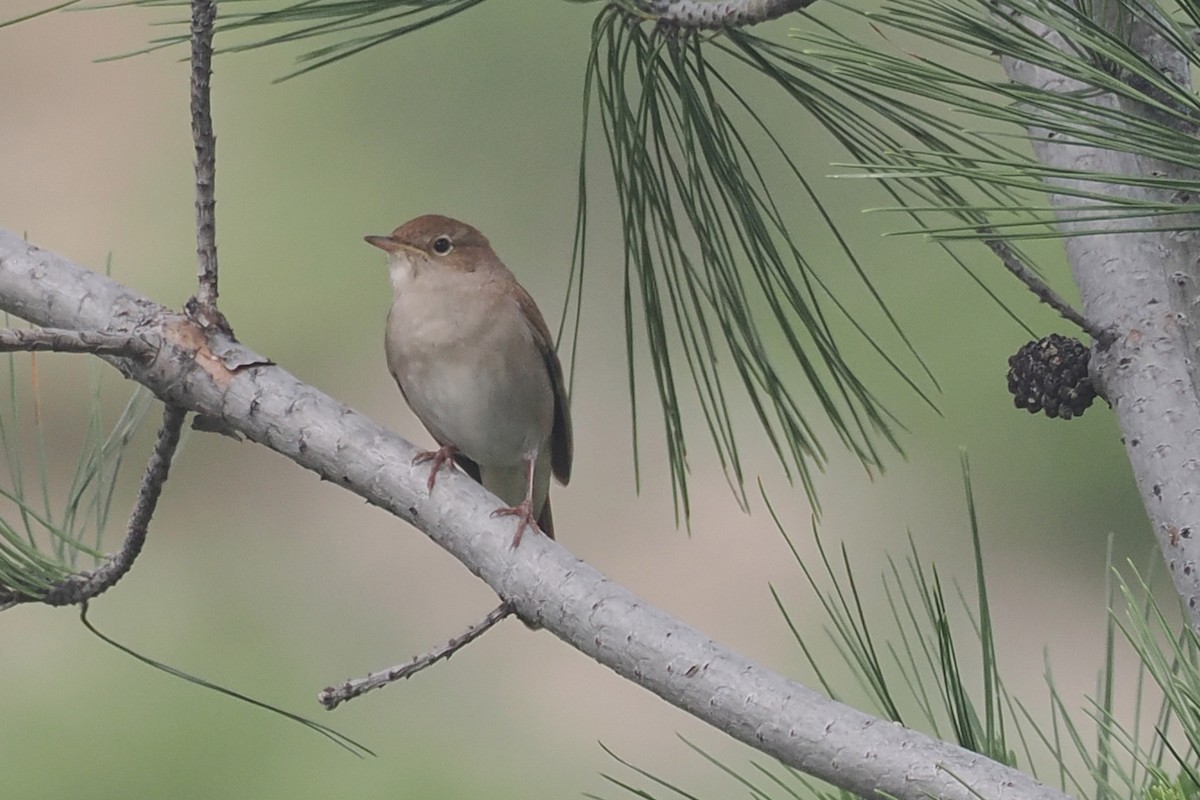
(561, 444)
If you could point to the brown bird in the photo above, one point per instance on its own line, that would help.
(476, 363)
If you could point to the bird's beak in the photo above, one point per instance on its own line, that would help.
(385, 243)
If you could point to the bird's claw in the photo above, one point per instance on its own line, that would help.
(523, 511)
(439, 457)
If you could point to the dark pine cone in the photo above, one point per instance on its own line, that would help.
(1051, 375)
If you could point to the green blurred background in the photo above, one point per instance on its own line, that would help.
(261, 577)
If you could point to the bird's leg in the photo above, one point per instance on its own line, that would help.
(523, 511)
(442, 455)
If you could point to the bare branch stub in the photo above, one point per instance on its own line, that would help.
(331, 697)
(203, 306)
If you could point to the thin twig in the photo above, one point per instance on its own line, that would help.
(203, 306)
(83, 586)
(59, 340)
(332, 696)
(1014, 264)
(695, 15)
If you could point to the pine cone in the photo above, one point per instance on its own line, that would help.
(1051, 375)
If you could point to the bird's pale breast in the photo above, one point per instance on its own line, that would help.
(469, 366)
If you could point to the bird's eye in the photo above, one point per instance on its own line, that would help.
(442, 245)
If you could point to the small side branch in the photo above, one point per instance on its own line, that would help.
(83, 586)
(331, 697)
(697, 15)
(204, 304)
(64, 341)
(1014, 264)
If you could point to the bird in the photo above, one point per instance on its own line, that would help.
(476, 363)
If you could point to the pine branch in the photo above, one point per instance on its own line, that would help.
(1144, 286)
(545, 583)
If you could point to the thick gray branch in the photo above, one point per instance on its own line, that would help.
(1144, 288)
(544, 582)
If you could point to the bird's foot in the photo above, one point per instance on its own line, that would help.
(523, 511)
(439, 457)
